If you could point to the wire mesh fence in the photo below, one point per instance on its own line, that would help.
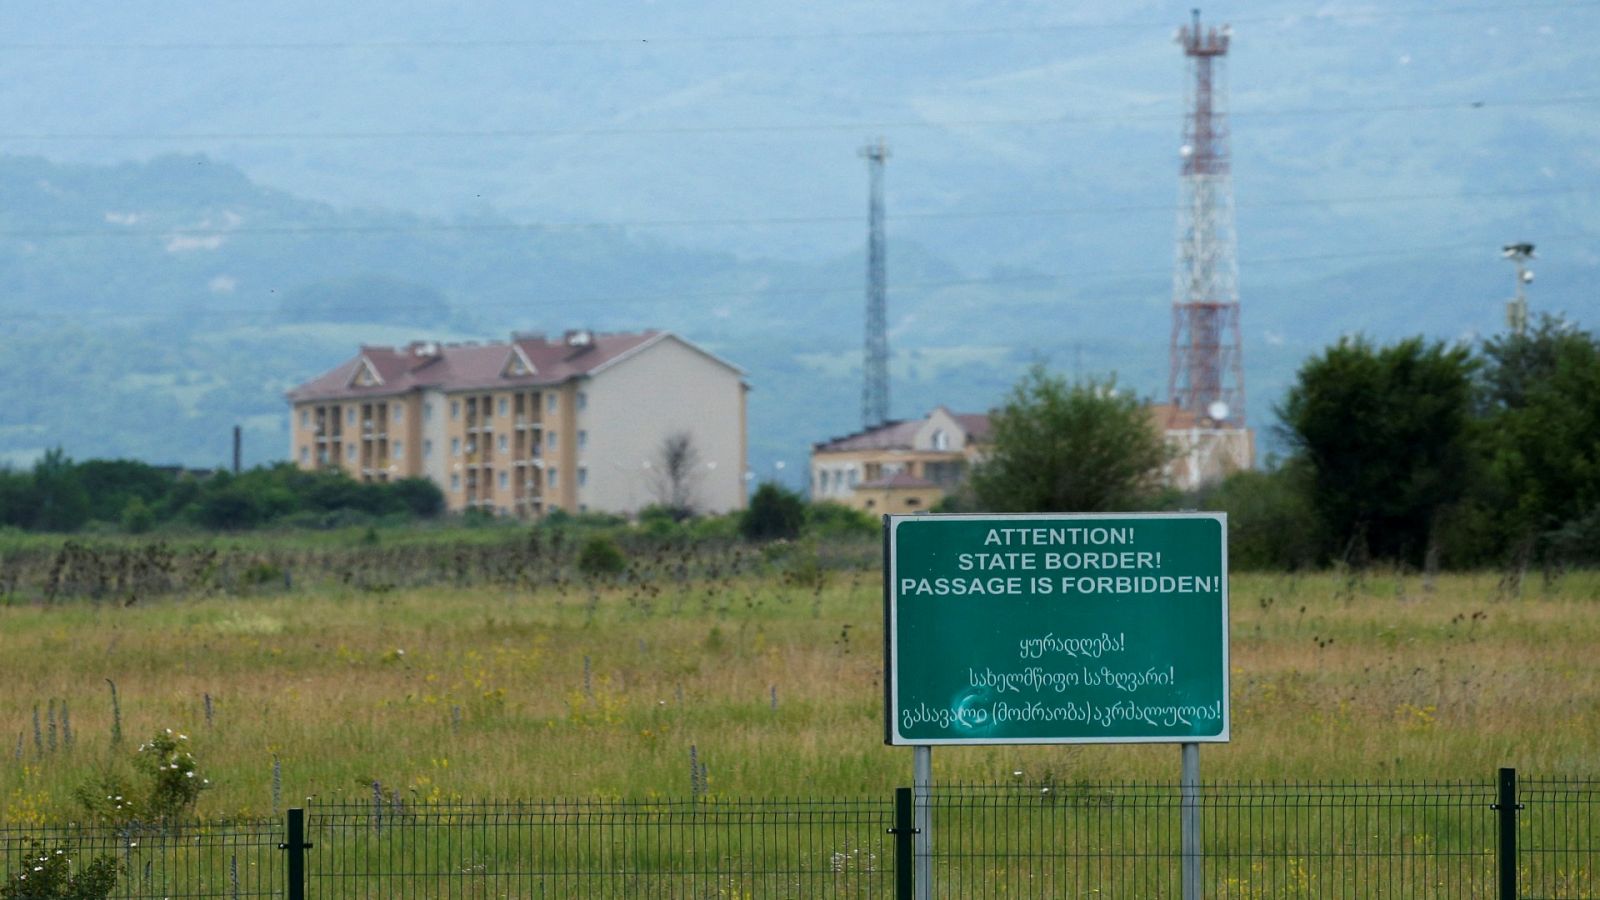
(1284, 840)
(229, 859)
(602, 848)
(1558, 838)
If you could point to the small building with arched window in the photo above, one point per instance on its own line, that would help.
(901, 466)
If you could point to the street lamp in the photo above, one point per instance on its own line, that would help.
(1517, 308)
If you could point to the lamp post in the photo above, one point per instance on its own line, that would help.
(1517, 308)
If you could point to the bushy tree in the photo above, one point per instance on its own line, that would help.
(1271, 524)
(1386, 432)
(775, 513)
(113, 483)
(60, 501)
(1069, 447)
(1542, 398)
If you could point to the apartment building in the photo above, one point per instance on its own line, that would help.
(900, 466)
(533, 424)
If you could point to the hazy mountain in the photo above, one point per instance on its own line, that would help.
(190, 182)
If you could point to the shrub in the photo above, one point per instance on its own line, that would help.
(601, 556)
(775, 513)
(45, 874)
(835, 520)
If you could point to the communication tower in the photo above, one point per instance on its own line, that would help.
(875, 364)
(1207, 368)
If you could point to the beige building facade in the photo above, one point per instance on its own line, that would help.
(531, 425)
(1202, 452)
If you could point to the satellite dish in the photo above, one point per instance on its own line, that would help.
(1186, 151)
(1217, 410)
(1527, 276)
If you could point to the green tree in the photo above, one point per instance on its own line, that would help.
(775, 513)
(1069, 447)
(112, 483)
(61, 503)
(1271, 524)
(1542, 396)
(17, 503)
(420, 496)
(1387, 434)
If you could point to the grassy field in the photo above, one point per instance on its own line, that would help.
(768, 673)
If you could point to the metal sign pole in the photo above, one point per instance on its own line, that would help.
(922, 791)
(1189, 787)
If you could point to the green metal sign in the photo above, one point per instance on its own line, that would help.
(1040, 629)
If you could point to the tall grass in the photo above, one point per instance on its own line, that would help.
(536, 683)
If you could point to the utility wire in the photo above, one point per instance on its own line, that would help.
(661, 40)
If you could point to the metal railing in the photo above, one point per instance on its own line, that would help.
(1494, 838)
(228, 859)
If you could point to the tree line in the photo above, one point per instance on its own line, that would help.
(60, 495)
(1415, 453)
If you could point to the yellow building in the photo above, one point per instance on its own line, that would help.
(532, 424)
(902, 466)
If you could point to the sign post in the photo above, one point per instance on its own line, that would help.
(1058, 629)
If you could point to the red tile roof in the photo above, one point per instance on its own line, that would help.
(456, 367)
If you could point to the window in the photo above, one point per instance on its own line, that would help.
(472, 446)
(399, 449)
(583, 439)
(455, 481)
(455, 446)
(399, 412)
(350, 452)
(550, 439)
(305, 455)
(427, 448)
(350, 416)
(941, 440)
(583, 475)
(305, 418)
(427, 411)
(550, 404)
(504, 405)
(455, 409)
(504, 442)
(854, 477)
(504, 481)
(583, 401)
(553, 479)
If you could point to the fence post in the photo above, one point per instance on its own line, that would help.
(1189, 786)
(295, 844)
(1506, 851)
(905, 875)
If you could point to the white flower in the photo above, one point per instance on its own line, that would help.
(189, 774)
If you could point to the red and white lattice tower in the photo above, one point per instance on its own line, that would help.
(1207, 374)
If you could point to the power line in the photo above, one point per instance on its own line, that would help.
(178, 231)
(769, 37)
(771, 128)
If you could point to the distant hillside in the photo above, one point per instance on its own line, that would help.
(155, 305)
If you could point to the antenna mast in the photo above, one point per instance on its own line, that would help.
(875, 367)
(1207, 372)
